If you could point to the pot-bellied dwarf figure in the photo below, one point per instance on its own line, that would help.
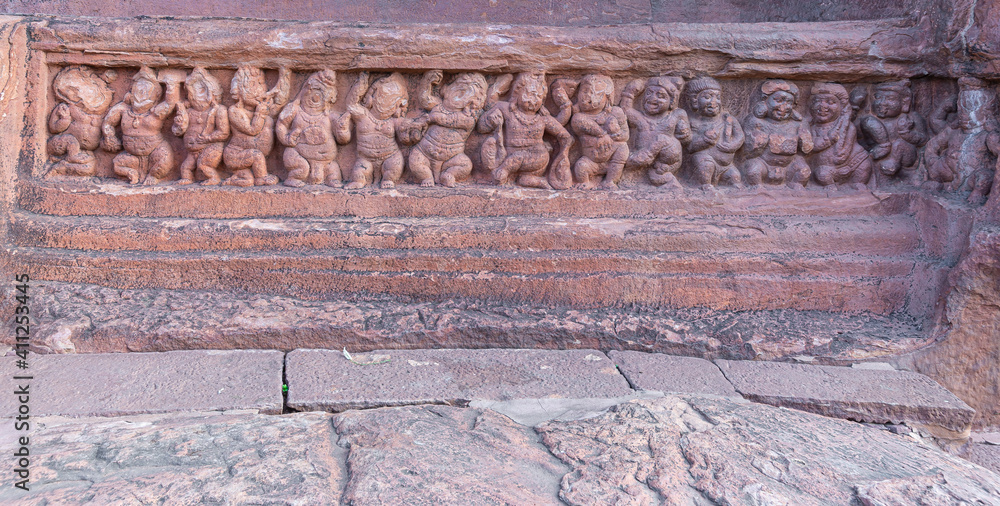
(602, 130)
(147, 156)
(893, 133)
(379, 120)
(252, 121)
(203, 122)
(661, 128)
(776, 138)
(715, 135)
(306, 127)
(517, 150)
(836, 158)
(440, 156)
(963, 157)
(75, 122)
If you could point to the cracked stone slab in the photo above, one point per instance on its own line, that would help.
(672, 374)
(444, 455)
(865, 395)
(113, 384)
(186, 458)
(712, 450)
(326, 380)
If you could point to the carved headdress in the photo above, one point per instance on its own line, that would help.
(900, 87)
(772, 86)
(698, 85)
(327, 79)
(200, 74)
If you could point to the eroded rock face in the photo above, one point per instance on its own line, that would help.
(190, 459)
(695, 450)
(444, 455)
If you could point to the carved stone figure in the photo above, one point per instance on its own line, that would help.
(252, 121)
(894, 133)
(147, 156)
(661, 127)
(836, 157)
(306, 126)
(776, 138)
(378, 120)
(602, 130)
(75, 123)
(204, 123)
(517, 150)
(715, 135)
(963, 157)
(440, 156)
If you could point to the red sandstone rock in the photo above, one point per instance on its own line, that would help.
(444, 455)
(121, 384)
(864, 395)
(194, 458)
(672, 374)
(326, 380)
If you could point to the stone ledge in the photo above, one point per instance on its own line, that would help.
(326, 380)
(863, 395)
(117, 384)
(672, 374)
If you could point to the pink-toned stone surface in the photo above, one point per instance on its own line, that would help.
(672, 374)
(697, 450)
(983, 454)
(131, 383)
(444, 455)
(197, 458)
(865, 395)
(326, 380)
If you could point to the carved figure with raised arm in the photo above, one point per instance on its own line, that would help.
(203, 122)
(777, 139)
(252, 121)
(306, 127)
(661, 128)
(75, 122)
(836, 158)
(715, 135)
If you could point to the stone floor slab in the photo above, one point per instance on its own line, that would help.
(326, 380)
(672, 374)
(113, 384)
(865, 395)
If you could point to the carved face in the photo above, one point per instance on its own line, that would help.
(530, 93)
(315, 97)
(709, 103)
(144, 95)
(887, 104)
(388, 98)
(199, 94)
(780, 105)
(593, 95)
(248, 87)
(656, 100)
(825, 107)
(80, 86)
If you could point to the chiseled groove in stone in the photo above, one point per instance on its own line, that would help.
(876, 396)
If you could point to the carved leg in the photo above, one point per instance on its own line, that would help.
(825, 174)
(392, 170)
(861, 174)
(187, 168)
(298, 168)
(754, 171)
(704, 169)
(512, 164)
(615, 166)
(420, 167)
(458, 168)
(126, 166)
(161, 162)
(208, 163)
(260, 175)
(981, 184)
(583, 170)
(334, 177)
(731, 176)
(361, 174)
(798, 173)
(239, 161)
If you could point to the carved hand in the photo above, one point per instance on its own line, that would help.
(604, 145)
(905, 124)
(356, 111)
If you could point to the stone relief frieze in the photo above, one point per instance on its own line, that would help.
(176, 126)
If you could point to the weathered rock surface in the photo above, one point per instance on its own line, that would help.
(864, 395)
(111, 384)
(444, 455)
(184, 459)
(326, 380)
(983, 454)
(673, 374)
(698, 450)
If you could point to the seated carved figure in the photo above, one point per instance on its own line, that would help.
(204, 123)
(75, 122)
(602, 130)
(836, 158)
(440, 156)
(715, 135)
(147, 156)
(306, 127)
(776, 138)
(378, 120)
(893, 133)
(252, 121)
(661, 127)
(963, 157)
(518, 150)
